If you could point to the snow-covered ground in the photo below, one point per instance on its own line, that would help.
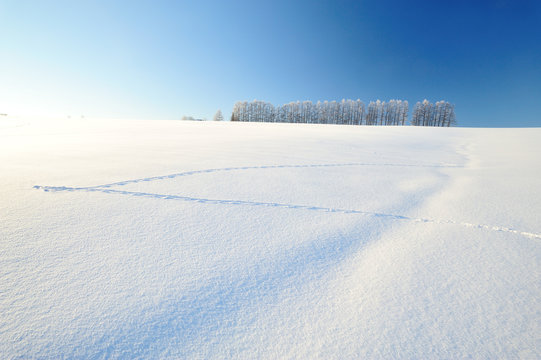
(170, 239)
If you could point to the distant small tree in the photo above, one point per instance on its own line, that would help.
(218, 116)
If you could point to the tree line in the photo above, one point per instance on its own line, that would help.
(350, 112)
(439, 114)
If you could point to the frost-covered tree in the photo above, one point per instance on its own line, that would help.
(350, 112)
(404, 112)
(372, 113)
(218, 116)
(427, 114)
(416, 115)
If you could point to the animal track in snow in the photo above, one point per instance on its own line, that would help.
(106, 188)
(261, 167)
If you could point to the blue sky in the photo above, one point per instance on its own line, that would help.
(165, 59)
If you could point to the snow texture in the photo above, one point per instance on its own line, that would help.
(169, 239)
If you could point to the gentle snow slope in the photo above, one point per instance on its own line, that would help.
(165, 239)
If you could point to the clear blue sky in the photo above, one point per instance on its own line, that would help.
(165, 59)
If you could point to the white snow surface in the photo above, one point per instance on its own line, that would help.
(202, 240)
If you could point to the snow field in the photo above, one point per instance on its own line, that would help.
(166, 239)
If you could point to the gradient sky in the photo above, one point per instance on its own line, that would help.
(165, 59)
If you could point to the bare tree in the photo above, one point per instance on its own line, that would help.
(218, 116)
